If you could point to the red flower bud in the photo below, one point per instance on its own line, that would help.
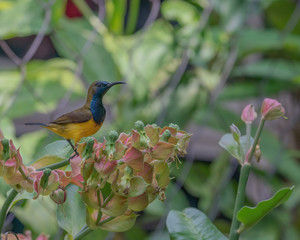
(271, 109)
(249, 114)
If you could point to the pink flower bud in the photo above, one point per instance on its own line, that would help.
(59, 196)
(271, 109)
(45, 182)
(249, 114)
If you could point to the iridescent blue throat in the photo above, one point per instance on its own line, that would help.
(98, 109)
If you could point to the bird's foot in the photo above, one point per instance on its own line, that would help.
(75, 154)
(74, 149)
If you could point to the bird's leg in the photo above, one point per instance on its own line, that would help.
(74, 149)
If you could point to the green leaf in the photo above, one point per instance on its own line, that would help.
(257, 40)
(195, 181)
(181, 11)
(46, 83)
(192, 224)
(38, 215)
(246, 90)
(284, 9)
(249, 216)
(116, 11)
(15, 20)
(71, 215)
(46, 161)
(236, 150)
(284, 70)
(160, 63)
(60, 149)
(70, 38)
(21, 196)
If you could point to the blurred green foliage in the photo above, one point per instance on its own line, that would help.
(186, 66)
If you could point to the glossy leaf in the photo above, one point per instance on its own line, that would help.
(192, 224)
(71, 215)
(60, 149)
(236, 150)
(249, 216)
(47, 160)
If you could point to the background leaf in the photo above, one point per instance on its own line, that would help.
(71, 215)
(15, 20)
(192, 224)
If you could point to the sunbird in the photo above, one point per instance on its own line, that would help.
(84, 121)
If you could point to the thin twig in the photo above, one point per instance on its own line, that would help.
(38, 39)
(205, 16)
(12, 56)
(291, 24)
(101, 10)
(154, 11)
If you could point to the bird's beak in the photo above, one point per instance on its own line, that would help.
(115, 83)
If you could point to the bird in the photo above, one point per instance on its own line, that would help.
(84, 121)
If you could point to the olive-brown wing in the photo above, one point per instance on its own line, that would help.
(77, 116)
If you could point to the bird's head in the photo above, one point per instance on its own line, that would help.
(99, 88)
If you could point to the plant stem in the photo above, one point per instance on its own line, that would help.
(248, 136)
(239, 200)
(257, 136)
(56, 165)
(110, 196)
(86, 230)
(5, 207)
(22, 173)
(245, 170)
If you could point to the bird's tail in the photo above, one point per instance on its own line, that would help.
(36, 124)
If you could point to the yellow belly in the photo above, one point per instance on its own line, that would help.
(75, 131)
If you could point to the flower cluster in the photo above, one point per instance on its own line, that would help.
(118, 177)
(28, 178)
(125, 173)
